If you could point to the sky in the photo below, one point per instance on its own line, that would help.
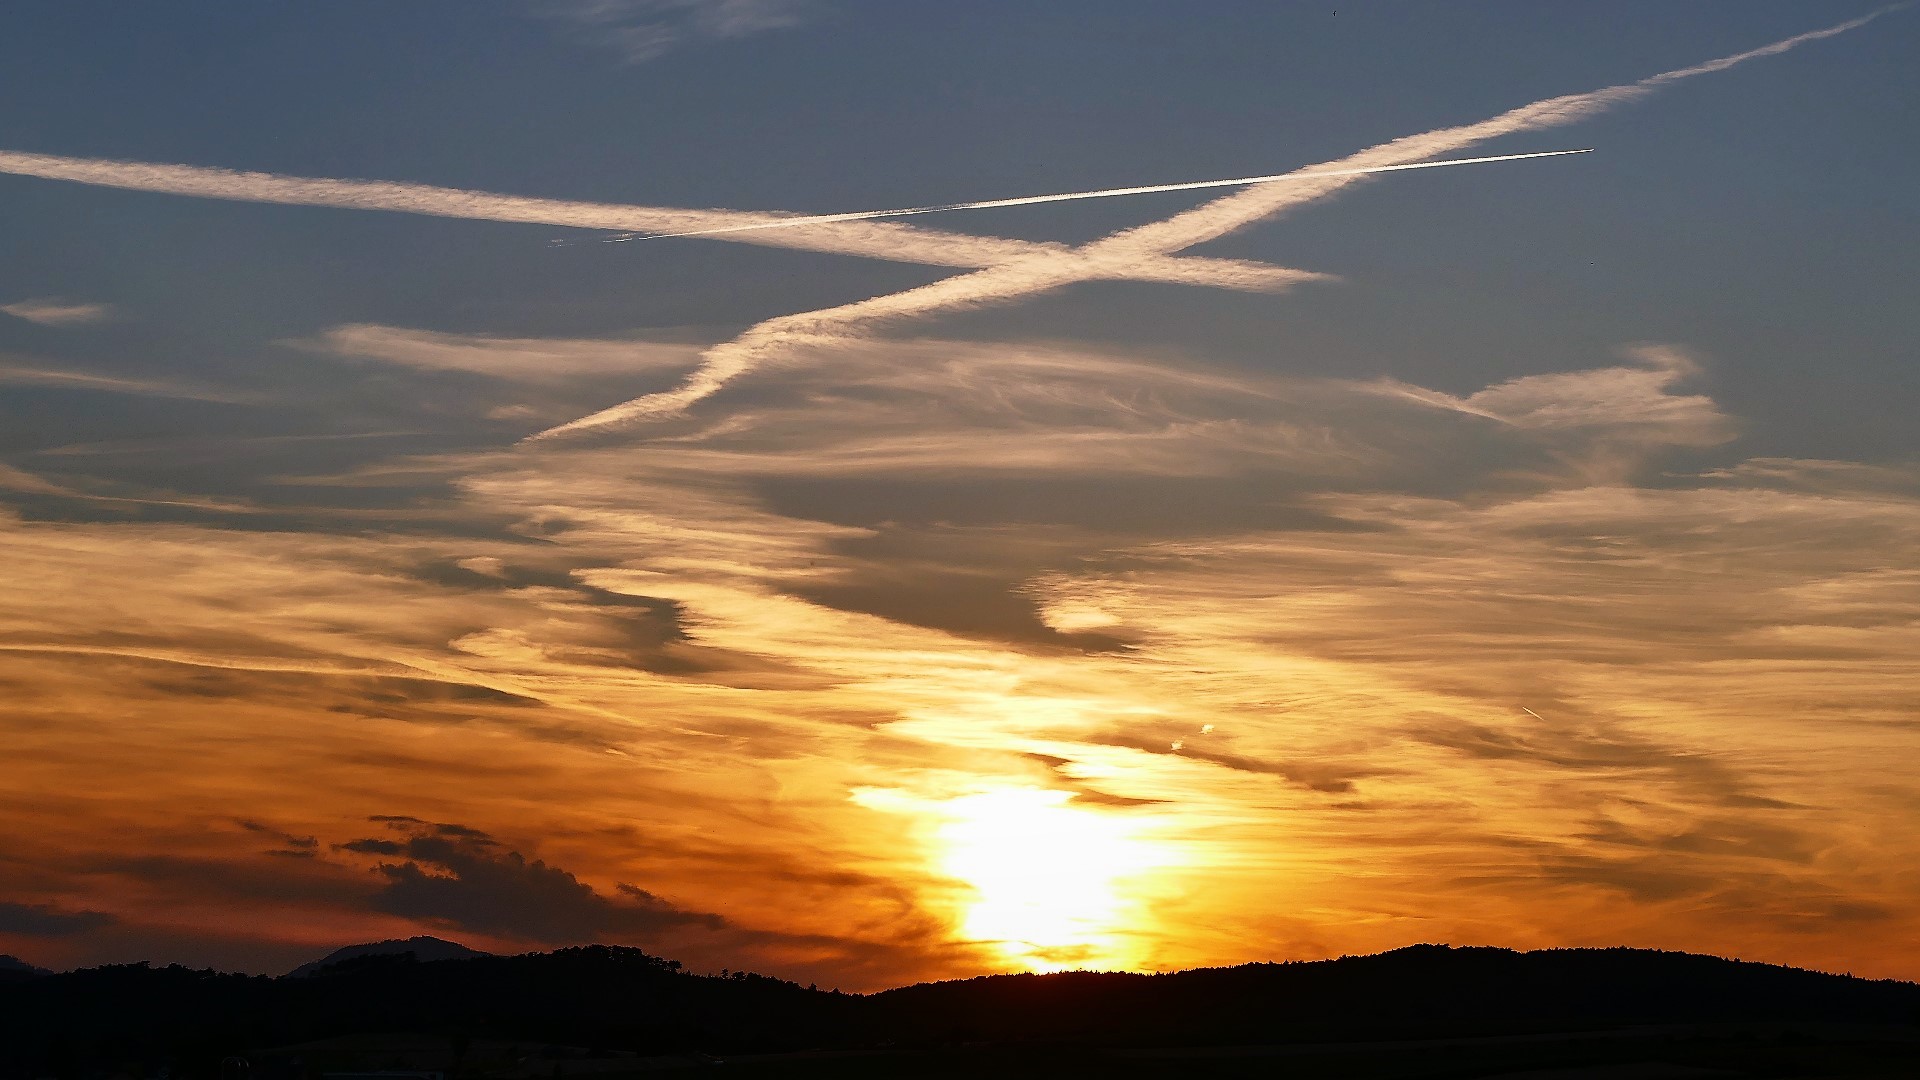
(1520, 554)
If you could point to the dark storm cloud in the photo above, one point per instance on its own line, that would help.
(1087, 796)
(460, 876)
(1727, 865)
(1326, 777)
(1642, 879)
(1156, 507)
(291, 846)
(376, 696)
(960, 603)
(1592, 747)
(195, 880)
(1733, 891)
(609, 628)
(1713, 836)
(45, 920)
(967, 581)
(1062, 774)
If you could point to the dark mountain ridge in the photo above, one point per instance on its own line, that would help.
(135, 1017)
(12, 967)
(420, 947)
(1421, 991)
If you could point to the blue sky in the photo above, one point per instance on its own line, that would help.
(1758, 216)
(1630, 430)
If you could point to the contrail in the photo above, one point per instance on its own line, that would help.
(1107, 193)
(874, 240)
(1111, 257)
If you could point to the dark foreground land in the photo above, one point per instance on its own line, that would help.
(604, 1013)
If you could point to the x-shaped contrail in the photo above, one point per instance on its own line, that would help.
(1113, 256)
(1104, 193)
(1007, 269)
(866, 239)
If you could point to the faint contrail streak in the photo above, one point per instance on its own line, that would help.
(1107, 193)
(1109, 258)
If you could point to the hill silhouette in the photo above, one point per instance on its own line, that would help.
(421, 947)
(597, 1007)
(12, 967)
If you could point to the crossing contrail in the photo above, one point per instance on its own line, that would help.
(1116, 255)
(871, 239)
(1106, 193)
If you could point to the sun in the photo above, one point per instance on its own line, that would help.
(1049, 878)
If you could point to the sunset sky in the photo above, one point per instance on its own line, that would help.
(1522, 554)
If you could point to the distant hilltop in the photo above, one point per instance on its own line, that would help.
(422, 948)
(12, 967)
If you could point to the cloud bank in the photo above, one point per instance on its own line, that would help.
(1481, 650)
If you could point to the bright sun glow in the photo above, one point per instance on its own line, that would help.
(1049, 876)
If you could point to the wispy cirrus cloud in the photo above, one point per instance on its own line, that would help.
(932, 408)
(1614, 416)
(26, 374)
(530, 360)
(54, 312)
(639, 30)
